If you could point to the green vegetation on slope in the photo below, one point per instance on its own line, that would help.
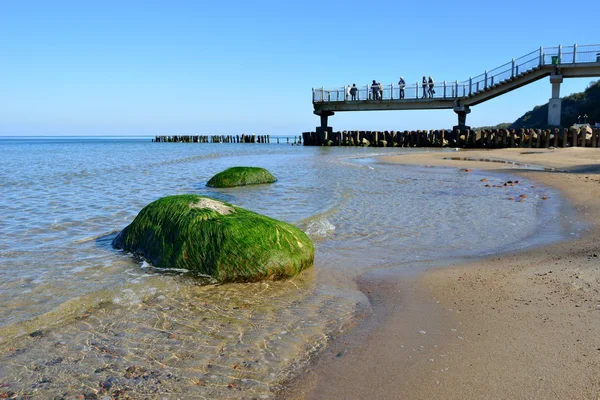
(240, 176)
(586, 102)
(210, 237)
(574, 105)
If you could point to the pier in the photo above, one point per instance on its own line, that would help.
(554, 62)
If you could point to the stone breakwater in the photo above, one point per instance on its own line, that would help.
(465, 138)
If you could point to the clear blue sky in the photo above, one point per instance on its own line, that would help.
(194, 67)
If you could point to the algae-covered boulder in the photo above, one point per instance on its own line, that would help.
(210, 237)
(240, 176)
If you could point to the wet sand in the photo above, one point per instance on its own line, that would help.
(521, 325)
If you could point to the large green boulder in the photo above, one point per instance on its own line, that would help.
(216, 239)
(240, 176)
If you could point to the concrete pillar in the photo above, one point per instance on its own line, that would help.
(324, 115)
(555, 103)
(323, 130)
(462, 112)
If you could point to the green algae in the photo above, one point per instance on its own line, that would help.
(210, 237)
(241, 176)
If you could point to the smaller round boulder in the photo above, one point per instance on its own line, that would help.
(241, 176)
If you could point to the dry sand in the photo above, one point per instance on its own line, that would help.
(516, 326)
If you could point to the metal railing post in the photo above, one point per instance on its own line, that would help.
(574, 53)
(470, 86)
(541, 56)
(485, 82)
(392, 91)
(512, 70)
(456, 88)
(313, 94)
(322, 93)
(417, 90)
(444, 89)
(560, 53)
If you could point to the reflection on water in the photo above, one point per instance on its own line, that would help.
(79, 318)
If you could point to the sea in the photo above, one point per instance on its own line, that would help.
(79, 319)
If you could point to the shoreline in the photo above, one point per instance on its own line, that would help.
(516, 325)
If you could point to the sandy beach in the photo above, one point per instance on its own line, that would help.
(521, 325)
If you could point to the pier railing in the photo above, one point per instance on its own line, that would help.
(542, 57)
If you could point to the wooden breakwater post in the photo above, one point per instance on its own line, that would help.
(461, 138)
(243, 138)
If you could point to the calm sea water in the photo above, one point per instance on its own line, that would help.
(78, 317)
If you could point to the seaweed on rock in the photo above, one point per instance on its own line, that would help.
(240, 176)
(210, 237)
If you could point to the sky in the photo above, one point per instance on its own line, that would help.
(231, 67)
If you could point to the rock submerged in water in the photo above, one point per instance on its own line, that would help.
(241, 176)
(210, 237)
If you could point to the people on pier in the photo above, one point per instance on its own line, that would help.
(401, 85)
(424, 84)
(353, 91)
(380, 91)
(347, 92)
(375, 90)
(430, 83)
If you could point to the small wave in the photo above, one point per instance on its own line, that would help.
(201, 278)
(319, 227)
(147, 265)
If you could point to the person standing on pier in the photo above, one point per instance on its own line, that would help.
(380, 90)
(431, 91)
(424, 84)
(375, 90)
(353, 91)
(347, 92)
(401, 85)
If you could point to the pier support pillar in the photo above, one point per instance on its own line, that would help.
(462, 112)
(323, 130)
(555, 103)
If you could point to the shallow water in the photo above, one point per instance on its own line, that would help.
(78, 317)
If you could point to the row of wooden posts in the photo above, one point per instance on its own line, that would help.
(465, 138)
(243, 138)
